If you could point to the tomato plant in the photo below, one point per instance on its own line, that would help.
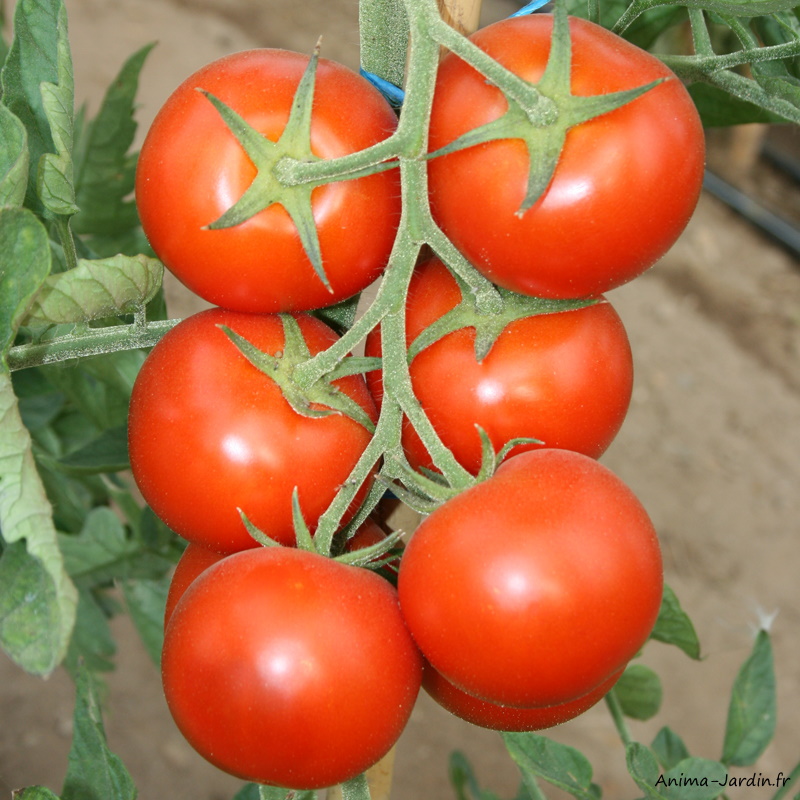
(625, 184)
(201, 414)
(287, 668)
(563, 378)
(192, 170)
(535, 586)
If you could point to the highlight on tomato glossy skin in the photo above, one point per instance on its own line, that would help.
(535, 586)
(191, 170)
(564, 379)
(624, 187)
(284, 667)
(497, 717)
(209, 433)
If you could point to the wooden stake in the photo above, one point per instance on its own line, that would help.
(463, 15)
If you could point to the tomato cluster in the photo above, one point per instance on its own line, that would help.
(520, 599)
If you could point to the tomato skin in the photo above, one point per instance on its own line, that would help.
(209, 433)
(195, 560)
(287, 668)
(623, 190)
(564, 379)
(497, 717)
(536, 585)
(191, 170)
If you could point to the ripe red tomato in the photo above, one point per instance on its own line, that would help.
(497, 717)
(535, 586)
(624, 188)
(195, 560)
(209, 433)
(191, 170)
(284, 667)
(563, 378)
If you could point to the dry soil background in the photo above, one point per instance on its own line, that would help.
(711, 446)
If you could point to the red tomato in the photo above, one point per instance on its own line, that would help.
(209, 433)
(563, 378)
(497, 717)
(535, 586)
(368, 534)
(191, 170)
(284, 667)
(624, 188)
(195, 560)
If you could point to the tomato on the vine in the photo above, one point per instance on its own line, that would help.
(562, 378)
(287, 668)
(497, 717)
(624, 187)
(535, 586)
(210, 434)
(191, 170)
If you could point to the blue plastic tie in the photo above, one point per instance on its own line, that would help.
(529, 8)
(392, 93)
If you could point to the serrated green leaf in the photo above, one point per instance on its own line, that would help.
(14, 160)
(669, 748)
(752, 710)
(673, 626)
(146, 601)
(105, 170)
(563, 766)
(94, 772)
(32, 61)
(26, 514)
(639, 692)
(24, 265)
(97, 289)
(55, 175)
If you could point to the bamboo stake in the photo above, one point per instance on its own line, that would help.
(463, 15)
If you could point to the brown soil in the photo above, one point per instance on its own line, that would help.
(711, 446)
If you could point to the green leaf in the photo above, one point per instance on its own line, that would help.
(673, 626)
(103, 553)
(105, 170)
(107, 452)
(93, 772)
(278, 793)
(463, 780)
(752, 710)
(29, 612)
(13, 159)
(643, 768)
(97, 289)
(33, 60)
(146, 601)
(55, 175)
(92, 644)
(669, 748)
(34, 793)
(25, 513)
(639, 692)
(24, 265)
(563, 766)
(693, 779)
(356, 788)
(718, 108)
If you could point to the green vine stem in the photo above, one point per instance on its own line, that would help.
(614, 707)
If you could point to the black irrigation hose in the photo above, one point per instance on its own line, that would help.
(770, 223)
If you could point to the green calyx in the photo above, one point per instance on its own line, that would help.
(539, 114)
(322, 398)
(489, 325)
